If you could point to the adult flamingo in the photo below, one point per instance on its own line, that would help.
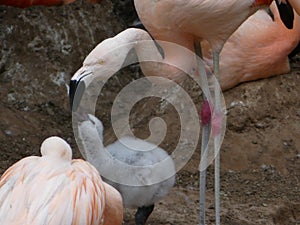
(186, 23)
(102, 62)
(54, 189)
(27, 3)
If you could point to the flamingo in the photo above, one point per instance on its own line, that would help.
(186, 23)
(262, 54)
(104, 60)
(27, 3)
(109, 55)
(142, 194)
(54, 189)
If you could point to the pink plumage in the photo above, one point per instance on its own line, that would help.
(54, 189)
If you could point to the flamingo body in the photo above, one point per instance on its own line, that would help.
(135, 197)
(259, 48)
(184, 21)
(54, 189)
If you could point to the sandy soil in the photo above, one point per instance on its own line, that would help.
(260, 157)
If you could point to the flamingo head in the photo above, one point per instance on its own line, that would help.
(56, 147)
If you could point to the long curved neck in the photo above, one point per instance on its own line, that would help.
(141, 41)
(91, 145)
(93, 150)
(178, 51)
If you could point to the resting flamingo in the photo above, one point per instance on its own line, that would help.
(54, 189)
(262, 54)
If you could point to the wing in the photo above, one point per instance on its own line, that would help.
(89, 199)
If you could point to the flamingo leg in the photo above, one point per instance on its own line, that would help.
(209, 123)
(202, 192)
(204, 142)
(142, 214)
(216, 139)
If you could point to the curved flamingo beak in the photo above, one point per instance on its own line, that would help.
(77, 87)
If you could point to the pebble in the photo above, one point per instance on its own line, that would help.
(264, 167)
(26, 109)
(11, 97)
(8, 132)
(236, 103)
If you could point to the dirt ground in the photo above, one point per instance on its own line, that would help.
(260, 157)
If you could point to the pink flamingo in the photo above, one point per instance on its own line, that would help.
(54, 189)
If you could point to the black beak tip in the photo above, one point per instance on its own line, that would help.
(76, 92)
(72, 91)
